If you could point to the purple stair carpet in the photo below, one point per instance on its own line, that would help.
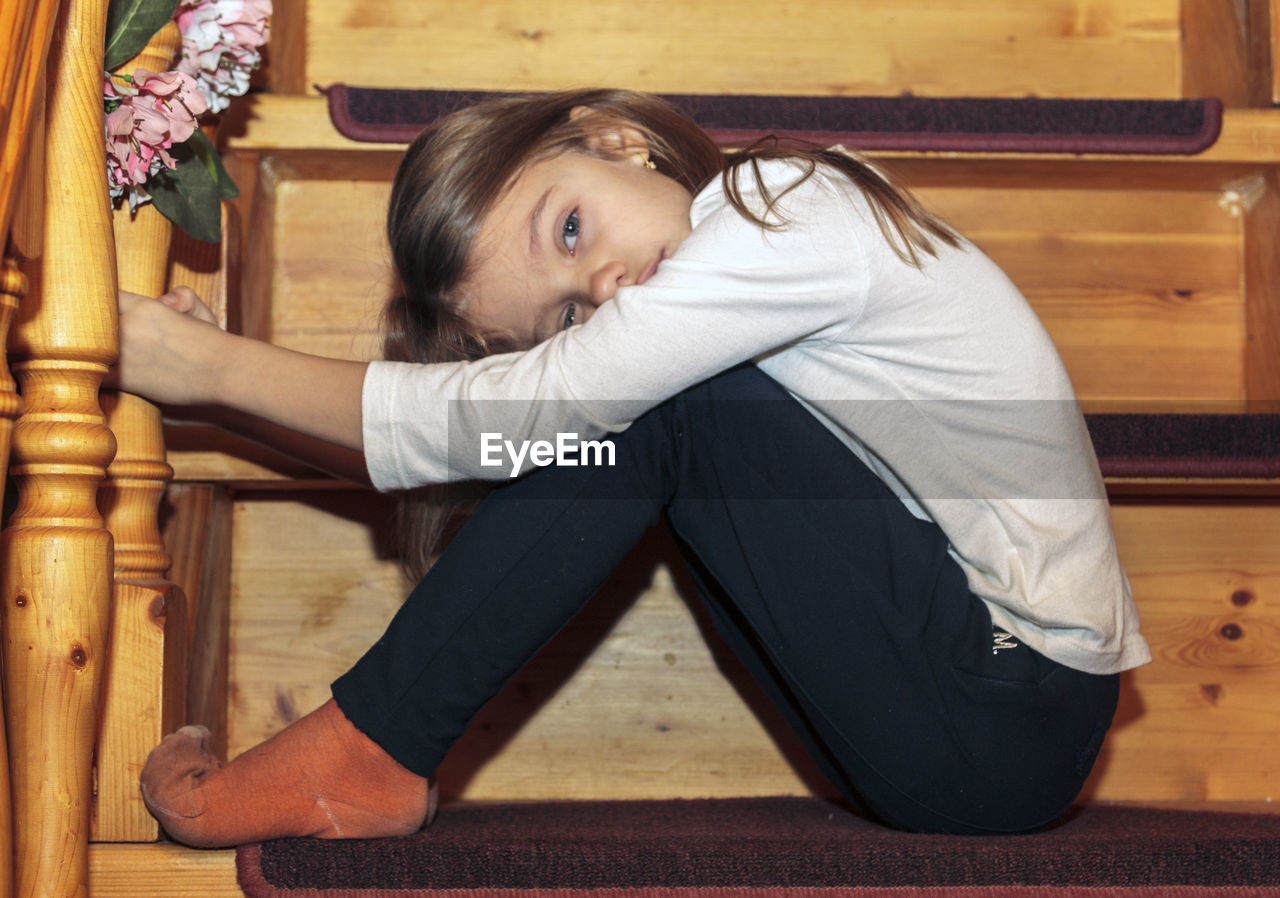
(977, 124)
(1185, 445)
(784, 847)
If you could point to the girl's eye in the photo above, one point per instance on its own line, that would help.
(569, 232)
(570, 315)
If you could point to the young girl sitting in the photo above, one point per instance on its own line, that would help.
(860, 434)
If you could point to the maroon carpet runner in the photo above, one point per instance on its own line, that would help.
(777, 847)
(977, 124)
(1187, 445)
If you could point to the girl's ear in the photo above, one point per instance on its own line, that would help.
(611, 136)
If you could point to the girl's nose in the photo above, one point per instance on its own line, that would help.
(606, 280)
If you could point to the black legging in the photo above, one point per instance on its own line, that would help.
(845, 607)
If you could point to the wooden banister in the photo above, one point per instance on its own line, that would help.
(145, 690)
(25, 29)
(56, 555)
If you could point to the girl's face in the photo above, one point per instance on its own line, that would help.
(571, 230)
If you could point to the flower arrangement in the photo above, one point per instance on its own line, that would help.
(156, 151)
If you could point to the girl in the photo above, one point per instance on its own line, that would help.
(859, 431)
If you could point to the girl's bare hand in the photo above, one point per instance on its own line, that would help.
(171, 354)
(168, 348)
(184, 300)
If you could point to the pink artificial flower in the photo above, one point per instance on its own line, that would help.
(156, 111)
(165, 107)
(221, 40)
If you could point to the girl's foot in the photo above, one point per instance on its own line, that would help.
(320, 776)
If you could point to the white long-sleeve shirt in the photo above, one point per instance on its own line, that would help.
(941, 379)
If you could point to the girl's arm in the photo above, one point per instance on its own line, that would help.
(732, 292)
(180, 359)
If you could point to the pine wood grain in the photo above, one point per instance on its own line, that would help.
(1148, 349)
(212, 270)
(27, 28)
(1215, 52)
(1200, 721)
(286, 61)
(56, 555)
(876, 47)
(331, 273)
(1262, 287)
(197, 533)
(1273, 40)
(161, 871)
(144, 698)
(308, 594)
(144, 695)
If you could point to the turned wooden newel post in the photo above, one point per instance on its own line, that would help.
(146, 686)
(56, 555)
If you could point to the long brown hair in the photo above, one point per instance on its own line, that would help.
(456, 171)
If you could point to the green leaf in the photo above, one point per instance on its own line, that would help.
(204, 150)
(130, 24)
(188, 196)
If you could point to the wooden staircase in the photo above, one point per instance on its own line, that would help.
(1157, 276)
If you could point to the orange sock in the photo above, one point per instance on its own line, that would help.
(320, 776)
